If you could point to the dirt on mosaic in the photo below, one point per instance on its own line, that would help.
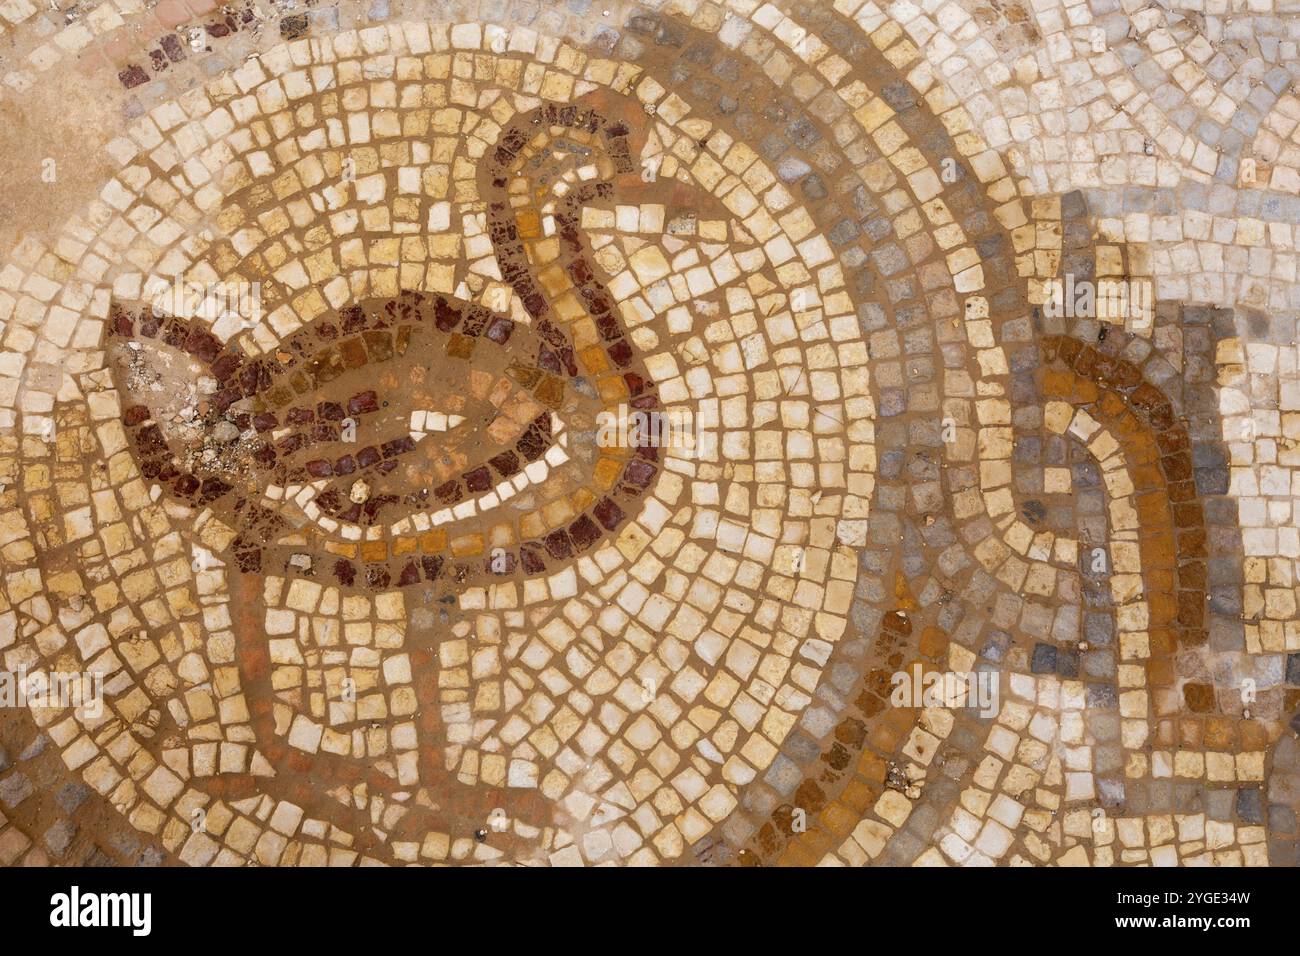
(677, 433)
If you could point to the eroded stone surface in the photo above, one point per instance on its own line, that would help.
(577, 429)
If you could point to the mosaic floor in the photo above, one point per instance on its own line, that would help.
(583, 433)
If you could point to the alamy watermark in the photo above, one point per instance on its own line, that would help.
(976, 689)
(238, 302)
(678, 429)
(57, 689)
(1130, 301)
(133, 911)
